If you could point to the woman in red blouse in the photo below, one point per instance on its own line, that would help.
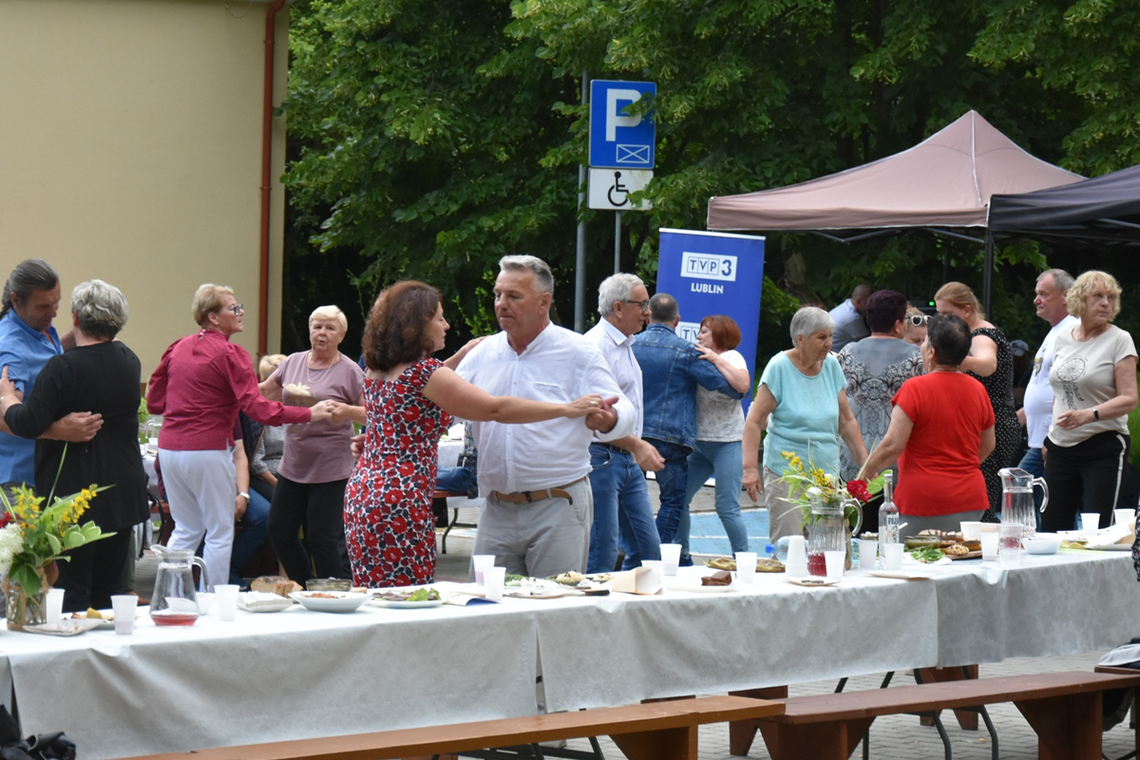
(200, 385)
(942, 424)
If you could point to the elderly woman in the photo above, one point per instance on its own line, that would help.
(409, 400)
(720, 428)
(100, 375)
(802, 401)
(199, 387)
(1094, 388)
(942, 425)
(991, 362)
(318, 458)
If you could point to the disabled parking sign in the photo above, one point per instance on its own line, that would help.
(620, 139)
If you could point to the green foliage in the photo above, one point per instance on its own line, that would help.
(432, 138)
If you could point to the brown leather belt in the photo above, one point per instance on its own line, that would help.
(525, 497)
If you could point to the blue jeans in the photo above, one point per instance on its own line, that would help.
(725, 459)
(254, 528)
(1034, 463)
(621, 507)
(673, 479)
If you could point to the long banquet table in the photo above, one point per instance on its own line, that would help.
(300, 674)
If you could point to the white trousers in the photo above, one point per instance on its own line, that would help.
(201, 487)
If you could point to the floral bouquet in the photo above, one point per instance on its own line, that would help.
(32, 536)
(826, 486)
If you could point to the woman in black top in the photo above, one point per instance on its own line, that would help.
(991, 362)
(99, 375)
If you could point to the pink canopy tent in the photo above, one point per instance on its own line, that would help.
(943, 182)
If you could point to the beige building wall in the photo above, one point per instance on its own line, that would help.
(130, 150)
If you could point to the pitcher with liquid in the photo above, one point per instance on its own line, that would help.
(1017, 499)
(174, 601)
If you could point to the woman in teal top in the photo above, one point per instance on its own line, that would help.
(802, 402)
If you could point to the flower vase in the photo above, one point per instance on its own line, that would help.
(24, 610)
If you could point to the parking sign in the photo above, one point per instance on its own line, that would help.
(619, 140)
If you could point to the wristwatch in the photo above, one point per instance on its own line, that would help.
(1096, 415)
(243, 493)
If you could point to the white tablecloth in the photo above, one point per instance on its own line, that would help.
(303, 674)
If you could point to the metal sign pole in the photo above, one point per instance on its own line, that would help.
(617, 242)
(580, 257)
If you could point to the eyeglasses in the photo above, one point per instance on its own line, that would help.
(919, 320)
(237, 308)
(643, 305)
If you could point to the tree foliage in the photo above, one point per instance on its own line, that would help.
(437, 137)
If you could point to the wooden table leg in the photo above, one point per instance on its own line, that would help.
(1069, 727)
(818, 741)
(967, 719)
(667, 744)
(741, 733)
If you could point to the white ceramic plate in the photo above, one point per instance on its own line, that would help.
(68, 626)
(1109, 547)
(906, 575)
(107, 621)
(811, 582)
(394, 605)
(330, 601)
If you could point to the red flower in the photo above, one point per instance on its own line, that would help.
(858, 489)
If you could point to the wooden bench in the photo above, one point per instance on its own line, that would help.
(1063, 708)
(656, 731)
(1135, 700)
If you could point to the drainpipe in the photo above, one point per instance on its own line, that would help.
(266, 181)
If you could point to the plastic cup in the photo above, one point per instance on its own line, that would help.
(834, 560)
(868, 549)
(54, 605)
(1009, 544)
(225, 597)
(746, 567)
(493, 579)
(892, 556)
(989, 541)
(971, 530)
(1090, 524)
(796, 566)
(671, 557)
(1125, 517)
(124, 606)
(480, 563)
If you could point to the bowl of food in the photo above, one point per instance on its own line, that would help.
(330, 601)
(1043, 543)
(328, 584)
(922, 542)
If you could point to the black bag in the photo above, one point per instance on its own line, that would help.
(55, 746)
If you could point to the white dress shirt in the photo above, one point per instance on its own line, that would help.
(616, 349)
(558, 366)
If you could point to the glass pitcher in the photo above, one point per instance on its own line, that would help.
(174, 601)
(825, 533)
(1017, 499)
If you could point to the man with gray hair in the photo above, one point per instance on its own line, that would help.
(1037, 410)
(27, 341)
(535, 477)
(621, 497)
(672, 369)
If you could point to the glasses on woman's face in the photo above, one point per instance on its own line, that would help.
(919, 320)
(237, 308)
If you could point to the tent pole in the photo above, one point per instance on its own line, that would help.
(580, 245)
(987, 278)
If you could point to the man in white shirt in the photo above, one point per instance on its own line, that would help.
(850, 326)
(535, 477)
(1037, 411)
(621, 497)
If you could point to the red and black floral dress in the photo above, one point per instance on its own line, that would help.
(388, 520)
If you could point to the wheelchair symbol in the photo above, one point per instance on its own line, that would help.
(617, 187)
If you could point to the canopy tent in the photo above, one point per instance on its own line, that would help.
(1104, 210)
(944, 182)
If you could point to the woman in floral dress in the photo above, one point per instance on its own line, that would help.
(409, 398)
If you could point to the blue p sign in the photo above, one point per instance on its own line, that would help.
(619, 139)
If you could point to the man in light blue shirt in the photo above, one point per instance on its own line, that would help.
(27, 341)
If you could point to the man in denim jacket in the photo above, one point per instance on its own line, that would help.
(672, 369)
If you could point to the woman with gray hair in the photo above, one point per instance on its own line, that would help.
(101, 375)
(802, 401)
(317, 459)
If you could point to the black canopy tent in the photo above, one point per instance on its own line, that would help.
(1102, 211)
